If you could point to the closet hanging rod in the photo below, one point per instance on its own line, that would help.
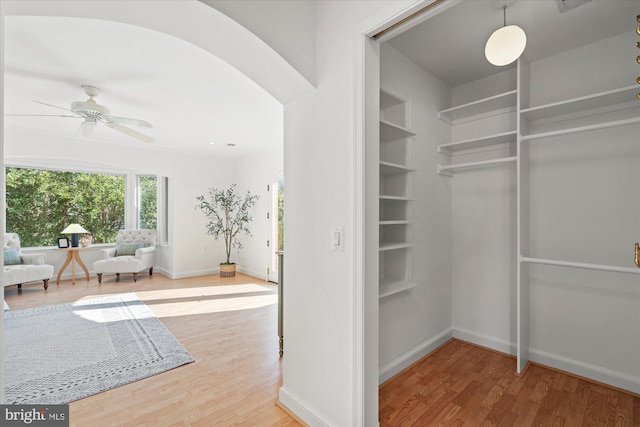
(444, 168)
(581, 129)
(584, 265)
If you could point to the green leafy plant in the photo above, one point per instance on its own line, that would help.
(227, 214)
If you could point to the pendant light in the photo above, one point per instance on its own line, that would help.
(506, 44)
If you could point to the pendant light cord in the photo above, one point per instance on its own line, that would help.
(504, 15)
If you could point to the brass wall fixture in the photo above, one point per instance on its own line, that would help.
(637, 255)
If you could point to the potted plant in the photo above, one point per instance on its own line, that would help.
(227, 214)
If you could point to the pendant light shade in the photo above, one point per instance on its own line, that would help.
(506, 44)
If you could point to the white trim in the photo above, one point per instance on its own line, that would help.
(192, 273)
(302, 409)
(3, 225)
(607, 376)
(412, 356)
(248, 272)
(483, 340)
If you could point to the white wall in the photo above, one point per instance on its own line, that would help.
(254, 174)
(584, 208)
(318, 369)
(287, 26)
(484, 227)
(413, 323)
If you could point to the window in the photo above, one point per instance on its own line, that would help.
(40, 203)
(147, 202)
(152, 212)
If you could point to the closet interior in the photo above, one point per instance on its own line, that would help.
(509, 202)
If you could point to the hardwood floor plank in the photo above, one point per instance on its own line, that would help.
(228, 325)
(465, 385)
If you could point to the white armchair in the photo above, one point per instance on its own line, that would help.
(134, 252)
(22, 268)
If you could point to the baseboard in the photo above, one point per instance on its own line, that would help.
(193, 273)
(311, 416)
(588, 371)
(291, 414)
(206, 272)
(484, 340)
(410, 357)
(252, 273)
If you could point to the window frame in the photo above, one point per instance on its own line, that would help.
(131, 207)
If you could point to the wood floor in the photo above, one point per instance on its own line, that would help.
(460, 384)
(228, 325)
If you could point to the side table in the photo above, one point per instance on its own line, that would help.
(73, 255)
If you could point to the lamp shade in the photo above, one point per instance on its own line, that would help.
(73, 229)
(505, 45)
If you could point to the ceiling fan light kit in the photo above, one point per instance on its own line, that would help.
(87, 127)
(506, 44)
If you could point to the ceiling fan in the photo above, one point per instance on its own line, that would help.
(92, 113)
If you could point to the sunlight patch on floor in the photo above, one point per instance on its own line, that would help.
(186, 308)
(207, 299)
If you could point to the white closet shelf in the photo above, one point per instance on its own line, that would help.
(584, 265)
(577, 129)
(392, 288)
(482, 106)
(388, 168)
(446, 169)
(395, 198)
(390, 246)
(485, 141)
(582, 104)
(387, 100)
(392, 132)
(395, 222)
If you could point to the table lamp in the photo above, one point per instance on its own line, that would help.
(74, 230)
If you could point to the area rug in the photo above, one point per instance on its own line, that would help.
(61, 353)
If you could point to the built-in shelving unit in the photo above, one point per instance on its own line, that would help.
(582, 114)
(617, 98)
(395, 196)
(502, 103)
(481, 142)
(603, 110)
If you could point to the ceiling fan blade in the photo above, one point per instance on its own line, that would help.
(54, 106)
(130, 132)
(128, 121)
(41, 115)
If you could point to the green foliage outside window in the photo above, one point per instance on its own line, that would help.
(42, 203)
(148, 215)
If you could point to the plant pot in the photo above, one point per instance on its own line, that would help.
(227, 270)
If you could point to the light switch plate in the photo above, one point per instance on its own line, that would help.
(337, 238)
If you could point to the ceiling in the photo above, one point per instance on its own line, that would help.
(450, 45)
(190, 96)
